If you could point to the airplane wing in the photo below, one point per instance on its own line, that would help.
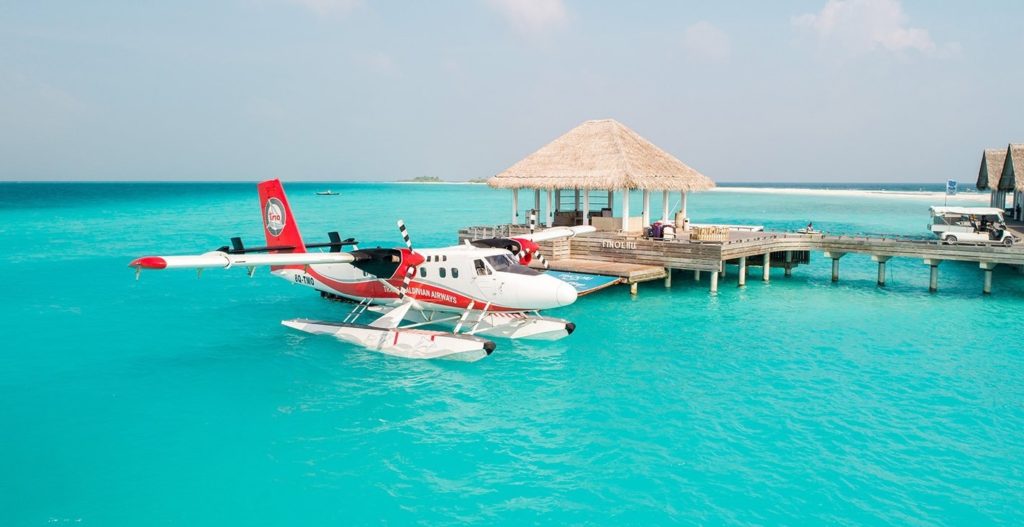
(224, 260)
(556, 232)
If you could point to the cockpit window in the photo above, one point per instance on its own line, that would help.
(481, 269)
(504, 263)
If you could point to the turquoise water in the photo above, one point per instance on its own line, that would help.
(180, 401)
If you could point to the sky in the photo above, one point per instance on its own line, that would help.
(781, 91)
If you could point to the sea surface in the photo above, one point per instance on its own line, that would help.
(174, 400)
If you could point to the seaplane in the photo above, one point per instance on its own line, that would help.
(484, 288)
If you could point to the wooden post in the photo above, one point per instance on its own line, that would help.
(632, 288)
(515, 206)
(550, 218)
(536, 201)
(696, 275)
(668, 277)
(743, 271)
(933, 278)
(647, 209)
(625, 210)
(987, 267)
(789, 263)
(835, 263)
(664, 206)
(714, 282)
(881, 268)
(722, 272)
(682, 203)
(576, 200)
(586, 207)
(611, 200)
(767, 269)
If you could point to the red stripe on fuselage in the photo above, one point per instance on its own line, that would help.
(440, 296)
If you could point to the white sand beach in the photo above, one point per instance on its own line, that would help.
(936, 197)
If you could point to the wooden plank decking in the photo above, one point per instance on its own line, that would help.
(630, 273)
(636, 259)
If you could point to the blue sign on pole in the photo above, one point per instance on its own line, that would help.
(950, 187)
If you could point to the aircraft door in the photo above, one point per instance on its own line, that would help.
(489, 285)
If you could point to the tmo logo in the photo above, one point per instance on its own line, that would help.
(274, 216)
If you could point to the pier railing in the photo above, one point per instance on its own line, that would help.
(684, 253)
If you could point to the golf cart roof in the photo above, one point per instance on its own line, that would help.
(967, 211)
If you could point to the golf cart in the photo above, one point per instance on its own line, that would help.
(970, 225)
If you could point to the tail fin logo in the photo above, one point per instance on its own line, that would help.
(275, 218)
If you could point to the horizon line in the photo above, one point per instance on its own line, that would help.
(245, 181)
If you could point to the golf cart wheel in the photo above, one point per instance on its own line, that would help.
(1008, 241)
(949, 239)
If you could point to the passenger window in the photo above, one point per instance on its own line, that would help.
(455, 272)
(480, 268)
(441, 272)
(423, 272)
(444, 258)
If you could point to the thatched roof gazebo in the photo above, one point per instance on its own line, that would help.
(600, 155)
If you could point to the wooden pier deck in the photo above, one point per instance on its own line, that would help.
(637, 259)
(628, 272)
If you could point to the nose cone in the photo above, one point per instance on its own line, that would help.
(565, 294)
(540, 292)
(413, 259)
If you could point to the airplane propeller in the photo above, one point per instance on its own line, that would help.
(417, 259)
(535, 251)
(540, 257)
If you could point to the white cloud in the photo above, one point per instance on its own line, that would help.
(861, 26)
(531, 16)
(378, 62)
(329, 7)
(704, 42)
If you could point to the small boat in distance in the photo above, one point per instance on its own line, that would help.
(327, 193)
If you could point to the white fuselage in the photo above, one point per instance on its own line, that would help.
(450, 279)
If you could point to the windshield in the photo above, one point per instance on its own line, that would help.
(504, 263)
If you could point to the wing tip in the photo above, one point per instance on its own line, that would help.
(149, 262)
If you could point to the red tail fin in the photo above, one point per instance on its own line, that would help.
(278, 223)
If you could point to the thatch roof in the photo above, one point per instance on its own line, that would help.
(1013, 168)
(991, 168)
(601, 155)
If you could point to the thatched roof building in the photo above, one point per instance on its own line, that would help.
(601, 155)
(1013, 168)
(991, 168)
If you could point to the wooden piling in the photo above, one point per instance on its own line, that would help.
(986, 287)
(933, 278)
(835, 256)
(881, 267)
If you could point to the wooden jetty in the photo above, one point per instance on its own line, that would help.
(582, 171)
(636, 259)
